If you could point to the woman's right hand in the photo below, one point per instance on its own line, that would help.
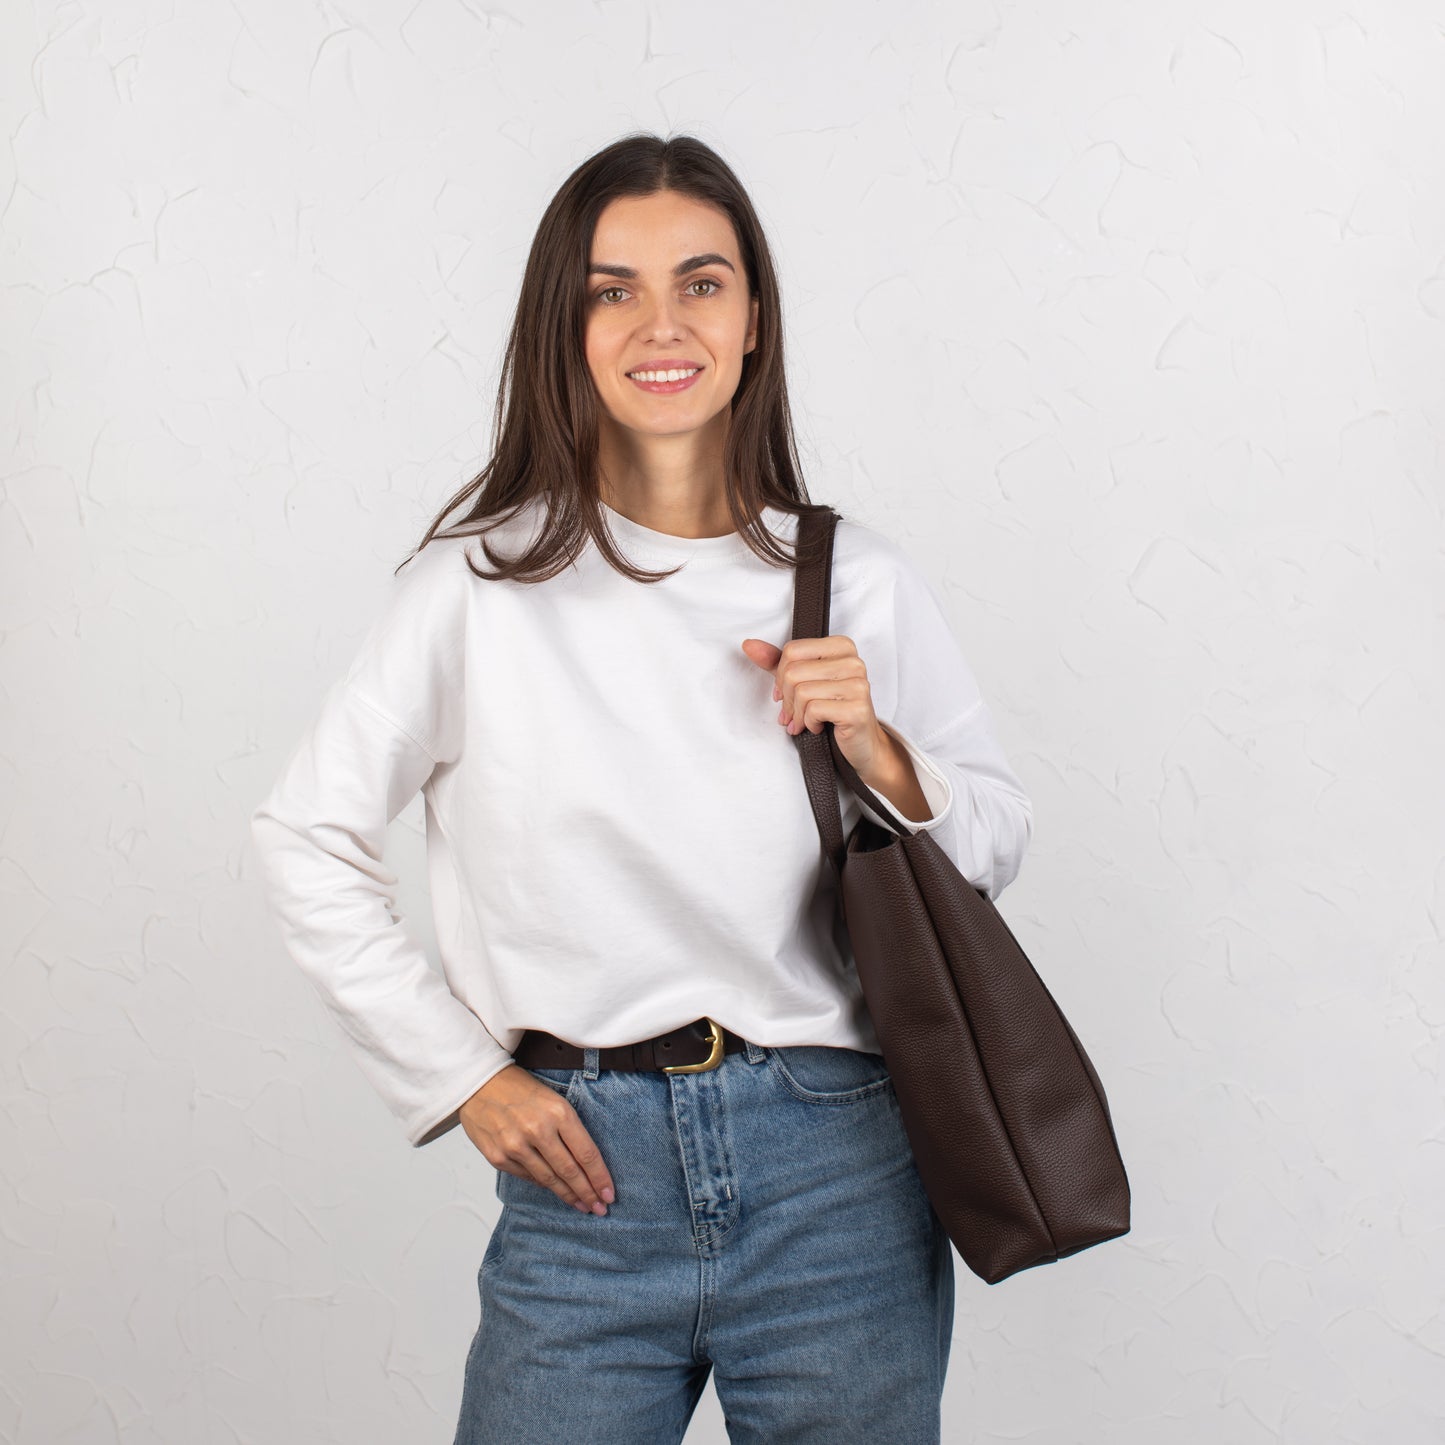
(527, 1129)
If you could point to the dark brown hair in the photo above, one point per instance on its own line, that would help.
(545, 430)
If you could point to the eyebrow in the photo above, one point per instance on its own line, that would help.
(629, 273)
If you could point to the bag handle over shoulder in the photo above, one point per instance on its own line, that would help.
(812, 597)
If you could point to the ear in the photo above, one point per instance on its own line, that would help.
(752, 326)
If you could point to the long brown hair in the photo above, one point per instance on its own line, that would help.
(545, 428)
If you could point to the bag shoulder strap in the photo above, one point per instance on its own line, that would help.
(812, 594)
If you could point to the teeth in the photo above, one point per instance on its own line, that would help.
(664, 375)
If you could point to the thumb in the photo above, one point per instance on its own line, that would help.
(763, 653)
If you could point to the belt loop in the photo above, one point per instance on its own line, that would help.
(756, 1052)
(589, 1062)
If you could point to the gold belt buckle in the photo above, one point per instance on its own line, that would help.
(715, 1038)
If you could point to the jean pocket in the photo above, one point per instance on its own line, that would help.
(493, 1254)
(561, 1081)
(829, 1074)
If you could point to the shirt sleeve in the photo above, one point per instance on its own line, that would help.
(320, 835)
(982, 818)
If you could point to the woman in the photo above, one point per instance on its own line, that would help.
(649, 1022)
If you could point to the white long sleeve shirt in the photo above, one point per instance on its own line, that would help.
(618, 834)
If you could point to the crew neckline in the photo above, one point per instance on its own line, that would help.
(634, 536)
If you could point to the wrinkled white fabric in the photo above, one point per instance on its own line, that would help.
(618, 834)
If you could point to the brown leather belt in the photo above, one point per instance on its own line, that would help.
(691, 1049)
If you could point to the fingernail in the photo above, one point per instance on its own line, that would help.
(608, 1195)
(581, 1208)
(599, 1208)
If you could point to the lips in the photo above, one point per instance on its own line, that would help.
(665, 388)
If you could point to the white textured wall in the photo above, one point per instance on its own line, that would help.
(1125, 318)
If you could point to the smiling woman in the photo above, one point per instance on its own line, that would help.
(648, 1018)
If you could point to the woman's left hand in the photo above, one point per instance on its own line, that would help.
(822, 679)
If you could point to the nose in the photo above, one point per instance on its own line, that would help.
(663, 320)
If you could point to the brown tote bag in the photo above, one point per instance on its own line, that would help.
(1004, 1112)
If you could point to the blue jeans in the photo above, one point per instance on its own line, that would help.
(770, 1228)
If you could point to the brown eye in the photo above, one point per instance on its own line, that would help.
(706, 281)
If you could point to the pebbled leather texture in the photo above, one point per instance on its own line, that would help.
(1007, 1118)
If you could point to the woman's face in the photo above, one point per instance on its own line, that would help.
(666, 292)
